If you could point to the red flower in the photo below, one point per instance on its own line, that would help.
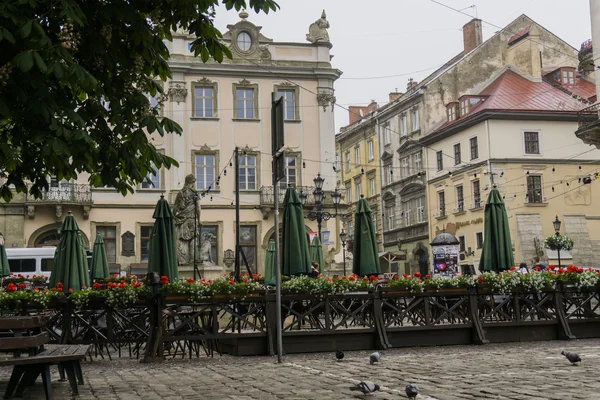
(344, 278)
(36, 289)
(551, 267)
(255, 277)
(21, 286)
(374, 278)
(231, 281)
(59, 289)
(20, 275)
(395, 277)
(26, 276)
(417, 274)
(365, 279)
(136, 284)
(513, 268)
(53, 289)
(480, 279)
(536, 268)
(59, 285)
(11, 287)
(561, 270)
(96, 285)
(84, 287)
(320, 275)
(70, 290)
(352, 278)
(121, 286)
(405, 276)
(427, 276)
(190, 280)
(244, 279)
(123, 281)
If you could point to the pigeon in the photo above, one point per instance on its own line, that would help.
(373, 358)
(366, 387)
(411, 390)
(339, 355)
(572, 357)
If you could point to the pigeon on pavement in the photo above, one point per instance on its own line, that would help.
(366, 387)
(572, 357)
(373, 358)
(411, 390)
(339, 355)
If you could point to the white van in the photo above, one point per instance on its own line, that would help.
(31, 261)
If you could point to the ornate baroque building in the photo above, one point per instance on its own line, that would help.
(220, 107)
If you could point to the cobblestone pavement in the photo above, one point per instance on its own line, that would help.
(499, 371)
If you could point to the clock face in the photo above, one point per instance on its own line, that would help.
(244, 41)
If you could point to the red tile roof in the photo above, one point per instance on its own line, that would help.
(519, 35)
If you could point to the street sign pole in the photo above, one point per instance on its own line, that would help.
(278, 157)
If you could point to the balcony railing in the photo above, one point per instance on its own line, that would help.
(65, 193)
(588, 116)
(267, 196)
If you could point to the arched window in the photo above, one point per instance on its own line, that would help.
(47, 239)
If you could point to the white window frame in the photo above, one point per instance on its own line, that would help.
(460, 208)
(347, 161)
(357, 156)
(358, 186)
(414, 117)
(349, 193)
(476, 203)
(389, 212)
(206, 176)
(388, 176)
(405, 164)
(482, 240)
(403, 125)
(420, 210)
(418, 162)
(439, 160)
(204, 100)
(285, 182)
(244, 181)
(290, 107)
(408, 216)
(371, 150)
(155, 179)
(539, 141)
(439, 205)
(372, 189)
(387, 134)
(245, 100)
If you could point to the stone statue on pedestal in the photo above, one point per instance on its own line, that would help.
(317, 31)
(186, 210)
(206, 257)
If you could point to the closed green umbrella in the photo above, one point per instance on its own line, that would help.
(4, 267)
(99, 260)
(296, 258)
(70, 263)
(162, 254)
(270, 271)
(364, 248)
(316, 253)
(497, 252)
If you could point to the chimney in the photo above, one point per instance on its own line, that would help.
(372, 106)
(395, 95)
(411, 84)
(355, 113)
(472, 34)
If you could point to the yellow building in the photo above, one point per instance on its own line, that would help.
(357, 148)
(517, 134)
(220, 107)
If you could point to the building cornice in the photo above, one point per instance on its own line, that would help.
(460, 170)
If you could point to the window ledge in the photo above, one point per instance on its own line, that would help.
(439, 217)
(245, 119)
(204, 118)
(247, 191)
(106, 190)
(536, 204)
(292, 121)
(150, 190)
(460, 212)
(416, 132)
(387, 144)
(200, 191)
(476, 208)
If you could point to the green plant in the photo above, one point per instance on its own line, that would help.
(558, 242)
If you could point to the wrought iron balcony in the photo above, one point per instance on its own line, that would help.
(65, 193)
(267, 196)
(589, 125)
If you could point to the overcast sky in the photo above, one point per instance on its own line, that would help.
(409, 38)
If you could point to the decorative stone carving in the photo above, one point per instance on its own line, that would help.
(258, 49)
(205, 147)
(206, 248)
(229, 258)
(266, 211)
(186, 212)
(178, 93)
(204, 80)
(58, 211)
(317, 31)
(286, 83)
(264, 53)
(31, 212)
(86, 212)
(245, 82)
(128, 244)
(325, 99)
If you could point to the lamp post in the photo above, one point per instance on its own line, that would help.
(556, 224)
(319, 195)
(343, 240)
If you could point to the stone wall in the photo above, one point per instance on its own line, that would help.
(577, 229)
(529, 226)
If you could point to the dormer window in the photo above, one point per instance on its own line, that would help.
(564, 76)
(468, 103)
(452, 111)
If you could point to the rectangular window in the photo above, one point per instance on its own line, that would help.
(440, 161)
(109, 234)
(403, 127)
(568, 77)
(249, 244)
(358, 190)
(408, 216)
(405, 167)
(451, 113)
(464, 107)
(152, 180)
(205, 170)
(534, 189)
(347, 161)
(245, 103)
(479, 239)
(204, 101)
(289, 103)
(357, 156)
(209, 234)
(389, 212)
(247, 177)
(476, 194)
(290, 179)
(532, 143)
(414, 117)
(463, 244)
(18, 266)
(418, 162)
(372, 190)
(48, 264)
(457, 154)
(371, 150)
(420, 210)
(387, 134)
(460, 199)
(349, 194)
(441, 204)
(387, 174)
(474, 148)
(145, 233)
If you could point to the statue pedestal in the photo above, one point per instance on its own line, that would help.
(208, 272)
(338, 269)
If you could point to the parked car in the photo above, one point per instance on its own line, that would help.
(31, 261)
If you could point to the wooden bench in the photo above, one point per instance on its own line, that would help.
(27, 337)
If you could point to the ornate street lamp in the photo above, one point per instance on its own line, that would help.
(343, 240)
(319, 195)
(556, 224)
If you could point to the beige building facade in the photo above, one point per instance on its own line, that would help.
(220, 107)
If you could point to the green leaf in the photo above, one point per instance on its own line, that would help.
(40, 62)
(8, 36)
(26, 29)
(24, 60)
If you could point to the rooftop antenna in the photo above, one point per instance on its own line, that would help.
(474, 7)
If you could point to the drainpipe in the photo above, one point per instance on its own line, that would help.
(380, 216)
